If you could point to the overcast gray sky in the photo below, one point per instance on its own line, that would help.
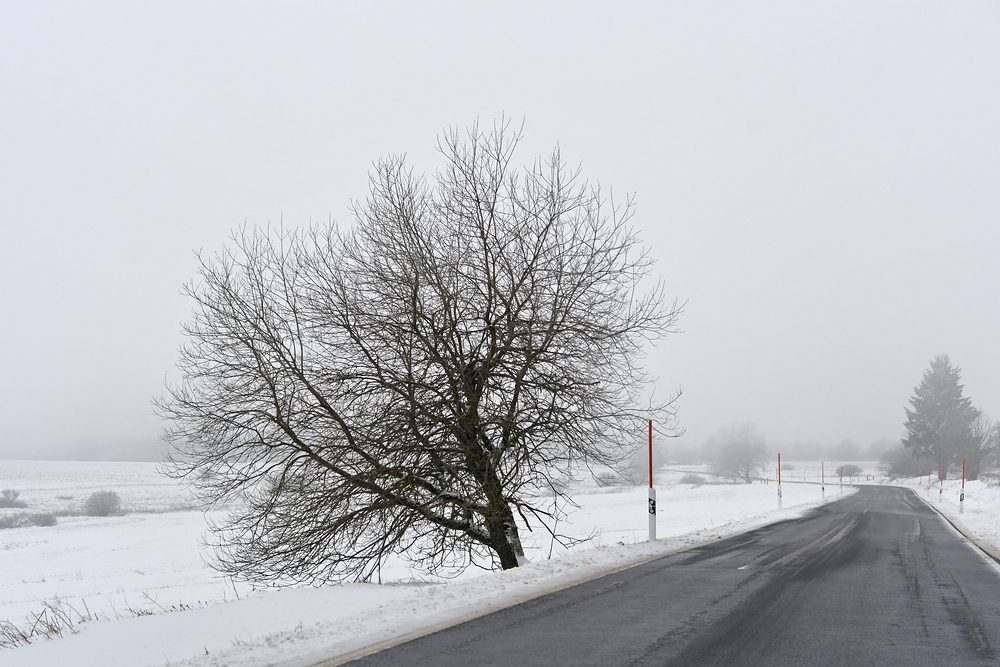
(820, 182)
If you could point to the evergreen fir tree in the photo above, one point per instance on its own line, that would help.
(940, 424)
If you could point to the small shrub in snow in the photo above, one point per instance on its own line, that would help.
(849, 470)
(44, 520)
(103, 503)
(8, 498)
(692, 478)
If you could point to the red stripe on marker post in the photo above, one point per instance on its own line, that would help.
(650, 453)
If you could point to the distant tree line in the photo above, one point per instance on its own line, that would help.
(798, 450)
(943, 428)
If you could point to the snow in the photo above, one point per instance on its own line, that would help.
(145, 575)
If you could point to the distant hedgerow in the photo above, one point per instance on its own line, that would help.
(23, 520)
(103, 503)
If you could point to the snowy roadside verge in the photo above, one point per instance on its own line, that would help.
(307, 626)
(978, 521)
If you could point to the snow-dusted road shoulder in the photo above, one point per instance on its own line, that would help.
(975, 519)
(310, 626)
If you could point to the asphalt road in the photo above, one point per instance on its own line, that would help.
(875, 579)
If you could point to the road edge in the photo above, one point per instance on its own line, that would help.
(562, 584)
(989, 552)
(513, 602)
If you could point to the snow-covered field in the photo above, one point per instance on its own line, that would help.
(145, 581)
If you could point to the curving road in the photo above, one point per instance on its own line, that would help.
(875, 579)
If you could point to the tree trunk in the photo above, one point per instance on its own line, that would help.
(506, 542)
(499, 521)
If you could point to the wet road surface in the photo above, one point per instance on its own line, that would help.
(874, 579)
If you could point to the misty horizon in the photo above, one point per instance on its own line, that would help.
(816, 182)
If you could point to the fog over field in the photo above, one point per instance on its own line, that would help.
(817, 182)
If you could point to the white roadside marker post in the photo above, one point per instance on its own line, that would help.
(822, 472)
(941, 485)
(779, 480)
(961, 497)
(652, 491)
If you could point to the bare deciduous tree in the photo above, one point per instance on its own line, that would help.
(738, 451)
(981, 447)
(900, 462)
(410, 385)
